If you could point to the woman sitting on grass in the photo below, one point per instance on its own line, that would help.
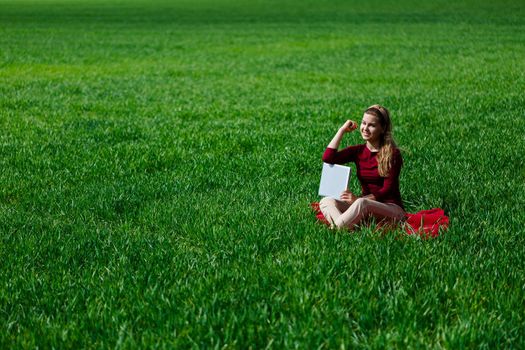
(378, 163)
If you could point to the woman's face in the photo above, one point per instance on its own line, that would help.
(371, 129)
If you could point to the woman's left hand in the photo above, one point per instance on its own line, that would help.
(348, 197)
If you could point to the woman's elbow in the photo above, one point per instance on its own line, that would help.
(329, 157)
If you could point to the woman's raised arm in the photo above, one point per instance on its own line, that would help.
(348, 126)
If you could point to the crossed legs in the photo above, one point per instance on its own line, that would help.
(341, 214)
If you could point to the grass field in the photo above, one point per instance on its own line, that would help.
(158, 160)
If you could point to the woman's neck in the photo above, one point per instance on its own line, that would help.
(373, 147)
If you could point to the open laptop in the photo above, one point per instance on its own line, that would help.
(334, 180)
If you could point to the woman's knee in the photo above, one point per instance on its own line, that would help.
(327, 202)
(361, 204)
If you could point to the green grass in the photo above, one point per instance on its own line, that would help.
(158, 161)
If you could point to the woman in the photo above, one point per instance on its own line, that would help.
(378, 162)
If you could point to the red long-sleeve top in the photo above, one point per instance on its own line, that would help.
(384, 189)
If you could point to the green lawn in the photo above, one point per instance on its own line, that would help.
(158, 160)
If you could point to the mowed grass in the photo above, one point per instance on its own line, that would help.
(158, 160)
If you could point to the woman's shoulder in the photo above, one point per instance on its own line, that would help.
(396, 155)
(355, 148)
(359, 147)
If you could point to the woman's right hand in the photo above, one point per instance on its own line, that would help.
(349, 126)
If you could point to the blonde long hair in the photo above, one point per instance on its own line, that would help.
(387, 143)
